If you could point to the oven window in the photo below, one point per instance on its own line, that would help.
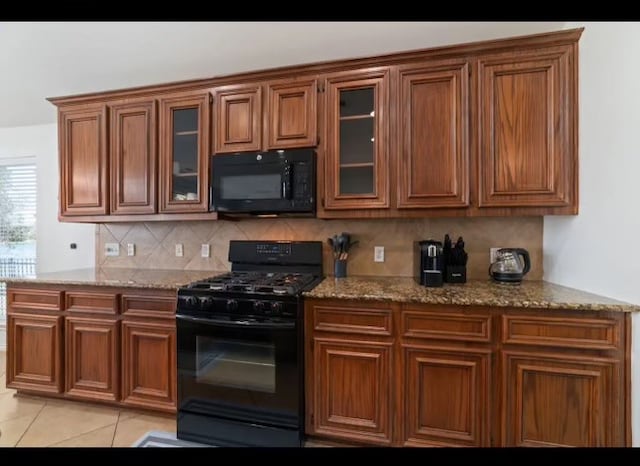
(236, 364)
(251, 186)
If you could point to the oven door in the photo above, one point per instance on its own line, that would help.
(239, 370)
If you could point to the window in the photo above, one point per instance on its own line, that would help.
(17, 221)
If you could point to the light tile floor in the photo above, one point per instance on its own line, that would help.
(30, 421)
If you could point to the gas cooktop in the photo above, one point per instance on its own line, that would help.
(277, 283)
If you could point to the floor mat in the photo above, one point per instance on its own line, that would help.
(157, 438)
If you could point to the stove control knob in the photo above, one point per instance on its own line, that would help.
(258, 306)
(187, 302)
(276, 308)
(232, 305)
(206, 302)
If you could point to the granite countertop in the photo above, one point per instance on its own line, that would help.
(528, 294)
(121, 277)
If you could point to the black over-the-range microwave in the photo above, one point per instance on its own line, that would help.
(273, 182)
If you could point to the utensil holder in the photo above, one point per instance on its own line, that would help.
(456, 274)
(340, 268)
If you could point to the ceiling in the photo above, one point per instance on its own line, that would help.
(47, 59)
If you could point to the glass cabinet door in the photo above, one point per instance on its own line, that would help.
(357, 139)
(184, 153)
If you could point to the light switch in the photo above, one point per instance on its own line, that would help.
(179, 251)
(131, 249)
(205, 250)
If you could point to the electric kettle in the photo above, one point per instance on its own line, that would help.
(511, 265)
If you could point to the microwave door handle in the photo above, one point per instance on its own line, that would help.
(286, 181)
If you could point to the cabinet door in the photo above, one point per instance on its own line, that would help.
(238, 118)
(184, 153)
(561, 401)
(446, 396)
(34, 361)
(353, 390)
(291, 115)
(92, 358)
(133, 158)
(356, 125)
(527, 112)
(149, 365)
(83, 161)
(433, 145)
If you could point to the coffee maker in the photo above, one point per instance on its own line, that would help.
(428, 262)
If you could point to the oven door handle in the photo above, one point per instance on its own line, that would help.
(238, 323)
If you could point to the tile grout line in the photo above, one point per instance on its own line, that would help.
(84, 433)
(113, 438)
(30, 424)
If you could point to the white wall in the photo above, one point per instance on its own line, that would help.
(52, 237)
(598, 250)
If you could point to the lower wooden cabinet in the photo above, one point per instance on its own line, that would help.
(93, 343)
(567, 400)
(441, 375)
(446, 396)
(353, 386)
(92, 354)
(149, 365)
(34, 361)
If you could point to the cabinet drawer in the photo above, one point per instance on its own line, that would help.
(92, 303)
(148, 306)
(356, 320)
(48, 300)
(561, 331)
(446, 325)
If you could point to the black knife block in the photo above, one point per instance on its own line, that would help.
(456, 274)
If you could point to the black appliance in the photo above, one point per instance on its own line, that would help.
(275, 182)
(510, 265)
(428, 262)
(240, 347)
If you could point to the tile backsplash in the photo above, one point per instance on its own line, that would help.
(155, 241)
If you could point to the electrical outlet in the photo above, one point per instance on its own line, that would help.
(111, 249)
(205, 250)
(378, 254)
(492, 255)
(179, 250)
(131, 249)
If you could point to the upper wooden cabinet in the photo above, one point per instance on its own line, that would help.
(83, 160)
(356, 125)
(433, 141)
(133, 158)
(184, 152)
(527, 124)
(287, 119)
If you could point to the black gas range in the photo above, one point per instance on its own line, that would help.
(240, 346)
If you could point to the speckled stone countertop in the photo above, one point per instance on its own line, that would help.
(121, 277)
(528, 294)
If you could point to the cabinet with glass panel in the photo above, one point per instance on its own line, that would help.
(356, 129)
(184, 152)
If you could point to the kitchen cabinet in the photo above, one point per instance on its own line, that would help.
(408, 374)
(563, 380)
(133, 157)
(82, 135)
(91, 358)
(446, 380)
(350, 372)
(287, 118)
(527, 128)
(184, 152)
(356, 126)
(93, 343)
(433, 144)
(149, 352)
